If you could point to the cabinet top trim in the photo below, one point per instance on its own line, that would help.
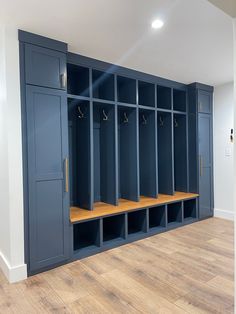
(201, 86)
(42, 41)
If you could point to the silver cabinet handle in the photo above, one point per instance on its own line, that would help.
(66, 165)
(201, 165)
(63, 80)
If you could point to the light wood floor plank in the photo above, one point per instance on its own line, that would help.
(186, 270)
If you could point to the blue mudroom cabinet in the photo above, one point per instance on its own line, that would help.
(111, 155)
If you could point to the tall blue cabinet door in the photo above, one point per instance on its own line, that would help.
(47, 133)
(45, 67)
(205, 165)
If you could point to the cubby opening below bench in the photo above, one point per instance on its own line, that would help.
(102, 210)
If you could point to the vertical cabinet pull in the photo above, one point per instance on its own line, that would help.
(63, 80)
(66, 166)
(201, 165)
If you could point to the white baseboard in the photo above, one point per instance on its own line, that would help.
(225, 214)
(15, 273)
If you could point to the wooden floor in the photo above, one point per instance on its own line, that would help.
(187, 270)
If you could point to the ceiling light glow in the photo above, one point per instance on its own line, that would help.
(157, 24)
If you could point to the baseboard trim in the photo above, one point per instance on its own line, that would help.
(13, 274)
(225, 214)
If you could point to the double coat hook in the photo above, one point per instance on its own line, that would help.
(126, 119)
(105, 116)
(144, 119)
(81, 114)
(161, 121)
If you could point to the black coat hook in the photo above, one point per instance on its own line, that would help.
(144, 119)
(105, 116)
(126, 119)
(176, 123)
(81, 114)
(161, 121)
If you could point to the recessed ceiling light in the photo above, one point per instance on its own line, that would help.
(157, 24)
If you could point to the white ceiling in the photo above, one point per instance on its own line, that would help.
(195, 44)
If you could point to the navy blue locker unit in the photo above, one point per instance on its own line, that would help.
(201, 147)
(48, 177)
(102, 144)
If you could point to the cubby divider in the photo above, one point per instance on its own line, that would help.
(146, 94)
(103, 85)
(174, 214)
(147, 153)
(86, 235)
(180, 153)
(126, 89)
(165, 153)
(190, 210)
(113, 228)
(104, 153)
(128, 153)
(79, 153)
(137, 222)
(78, 80)
(179, 100)
(164, 97)
(157, 217)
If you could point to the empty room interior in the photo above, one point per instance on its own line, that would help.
(117, 172)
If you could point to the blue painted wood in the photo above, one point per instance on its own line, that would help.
(128, 157)
(44, 67)
(192, 141)
(122, 71)
(204, 102)
(147, 153)
(146, 94)
(113, 228)
(80, 153)
(205, 168)
(104, 154)
(165, 153)
(180, 153)
(26, 37)
(48, 201)
(175, 213)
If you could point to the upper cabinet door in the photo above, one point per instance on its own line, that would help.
(204, 101)
(45, 67)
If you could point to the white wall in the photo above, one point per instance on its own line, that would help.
(223, 150)
(11, 192)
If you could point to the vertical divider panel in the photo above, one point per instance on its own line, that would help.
(126, 225)
(101, 232)
(165, 153)
(180, 152)
(80, 152)
(128, 153)
(156, 143)
(91, 143)
(116, 144)
(147, 153)
(104, 153)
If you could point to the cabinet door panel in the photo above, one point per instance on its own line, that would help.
(48, 200)
(45, 67)
(204, 102)
(205, 165)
